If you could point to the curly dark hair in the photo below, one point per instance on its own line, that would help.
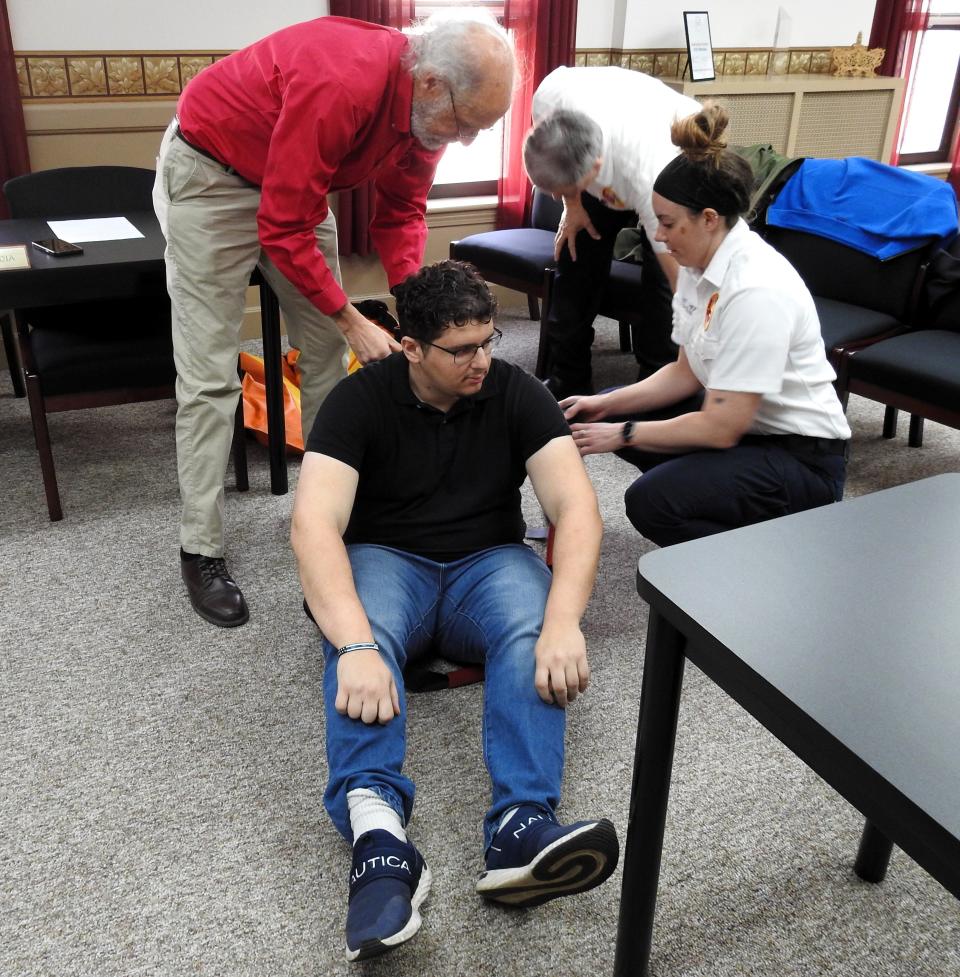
(448, 293)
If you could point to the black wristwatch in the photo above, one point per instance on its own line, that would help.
(626, 431)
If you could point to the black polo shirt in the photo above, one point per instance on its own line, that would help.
(441, 485)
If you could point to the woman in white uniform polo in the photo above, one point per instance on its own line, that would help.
(745, 425)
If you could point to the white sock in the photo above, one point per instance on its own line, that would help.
(369, 812)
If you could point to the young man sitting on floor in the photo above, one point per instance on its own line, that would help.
(408, 533)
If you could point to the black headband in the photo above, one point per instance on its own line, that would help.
(697, 186)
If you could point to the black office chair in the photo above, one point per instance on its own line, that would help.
(96, 353)
(859, 299)
(517, 258)
(918, 370)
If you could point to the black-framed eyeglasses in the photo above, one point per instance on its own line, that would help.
(464, 355)
(462, 134)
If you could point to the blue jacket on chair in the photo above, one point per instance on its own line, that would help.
(878, 209)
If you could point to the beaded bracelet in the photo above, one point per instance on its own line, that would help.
(358, 646)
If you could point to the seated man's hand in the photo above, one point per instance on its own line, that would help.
(562, 669)
(595, 439)
(365, 688)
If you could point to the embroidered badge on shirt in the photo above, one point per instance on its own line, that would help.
(610, 198)
(708, 315)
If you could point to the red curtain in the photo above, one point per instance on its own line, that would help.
(14, 159)
(390, 13)
(898, 26)
(545, 35)
(355, 209)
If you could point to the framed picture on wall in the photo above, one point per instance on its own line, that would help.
(696, 24)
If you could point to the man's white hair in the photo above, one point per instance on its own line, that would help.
(445, 44)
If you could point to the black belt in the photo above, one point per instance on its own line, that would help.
(801, 443)
(203, 152)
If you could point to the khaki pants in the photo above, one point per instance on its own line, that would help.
(208, 217)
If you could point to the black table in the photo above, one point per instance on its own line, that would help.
(838, 629)
(129, 269)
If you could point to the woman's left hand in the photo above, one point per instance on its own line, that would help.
(597, 438)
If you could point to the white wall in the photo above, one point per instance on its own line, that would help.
(733, 23)
(169, 25)
(595, 22)
(183, 25)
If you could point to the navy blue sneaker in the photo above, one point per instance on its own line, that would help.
(533, 859)
(388, 881)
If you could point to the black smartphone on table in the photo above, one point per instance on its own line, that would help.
(56, 247)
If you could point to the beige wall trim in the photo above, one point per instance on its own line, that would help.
(47, 75)
(87, 132)
(108, 74)
(96, 130)
(672, 62)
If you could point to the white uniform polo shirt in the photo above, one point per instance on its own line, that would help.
(634, 112)
(748, 324)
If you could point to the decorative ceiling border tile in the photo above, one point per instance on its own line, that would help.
(672, 63)
(87, 76)
(161, 74)
(108, 74)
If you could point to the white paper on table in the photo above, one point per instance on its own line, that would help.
(94, 229)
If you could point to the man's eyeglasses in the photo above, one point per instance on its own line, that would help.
(462, 134)
(464, 355)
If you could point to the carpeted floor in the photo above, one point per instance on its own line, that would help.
(161, 779)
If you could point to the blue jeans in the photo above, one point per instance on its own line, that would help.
(487, 608)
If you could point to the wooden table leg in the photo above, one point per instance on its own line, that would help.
(11, 354)
(273, 385)
(653, 763)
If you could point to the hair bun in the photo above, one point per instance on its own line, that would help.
(700, 136)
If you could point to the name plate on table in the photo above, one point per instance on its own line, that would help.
(13, 257)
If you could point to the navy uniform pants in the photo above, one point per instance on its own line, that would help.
(681, 497)
(577, 295)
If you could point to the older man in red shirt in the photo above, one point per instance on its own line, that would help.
(260, 140)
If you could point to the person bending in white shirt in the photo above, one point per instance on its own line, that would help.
(600, 137)
(745, 425)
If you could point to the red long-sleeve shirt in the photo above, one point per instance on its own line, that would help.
(312, 109)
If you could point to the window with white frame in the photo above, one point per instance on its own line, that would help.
(468, 171)
(927, 134)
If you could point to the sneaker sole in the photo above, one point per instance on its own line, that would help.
(575, 863)
(374, 948)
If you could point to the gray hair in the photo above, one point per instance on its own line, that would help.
(445, 43)
(560, 151)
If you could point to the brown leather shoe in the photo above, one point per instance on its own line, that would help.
(214, 594)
